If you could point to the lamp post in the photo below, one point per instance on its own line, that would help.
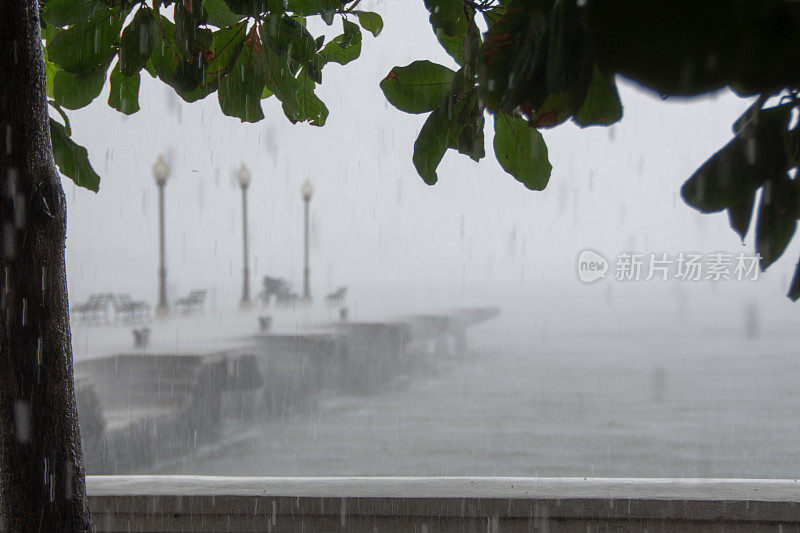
(161, 173)
(244, 176)
(307, 190)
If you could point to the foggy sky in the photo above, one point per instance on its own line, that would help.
(375, 225)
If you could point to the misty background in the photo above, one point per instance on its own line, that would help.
(375, 225)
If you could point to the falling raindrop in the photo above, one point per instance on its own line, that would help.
(22, 421)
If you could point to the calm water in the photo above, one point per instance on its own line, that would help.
(656, 391)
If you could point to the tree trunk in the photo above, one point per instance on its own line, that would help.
(42, 485)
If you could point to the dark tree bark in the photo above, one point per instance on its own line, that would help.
(42, 486)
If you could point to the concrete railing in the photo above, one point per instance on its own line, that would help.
(210, 503)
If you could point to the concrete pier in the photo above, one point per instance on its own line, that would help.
(142, 405)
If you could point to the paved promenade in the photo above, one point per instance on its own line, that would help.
(209, 332)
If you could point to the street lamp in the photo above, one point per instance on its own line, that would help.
(244, 177)
(161, 173)
(307, 190)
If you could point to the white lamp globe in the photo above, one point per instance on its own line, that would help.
(307, 190)
(244, 176)
(161, 170)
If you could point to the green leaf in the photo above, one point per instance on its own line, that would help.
(283, 85)
(288, 38)
(325, 8)
(63, 114)
(557, 108)
(431, 144)
(447, 15)
(193, 81)
(512, 66)
(48, 32)
(81, 48)
(521, 151)
(225, 47)
(310, 108)
(165, 54)
(72, 159)
(417, 88)
(469, 50)
(219, 14)
(74, 91)
(226, 44)
(725, 179)
(569, 61)
(192, 40)
(291, 44)
(739, 215)
(601, 105)
(124, 93)
(67, 12)
(452, 44)
(469, 128)
(731, 175)
(351, 35)
(150, 68)
(184, 74)
(187, 79)
(491, 16)
(750, 116)
(256, 8)
(449, 22)
(334, 53)
(794, 290)
(50, 72)
(457, 123)
(136, 43)
(372, 22)
(777, 218)
(240, 91)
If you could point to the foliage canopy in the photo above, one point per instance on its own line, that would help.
(543, 62)
(244, 50)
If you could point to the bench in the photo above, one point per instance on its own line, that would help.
(130, 310)
(191, 304)
(96, 310)
(287, 298)
(280, 289)
(336, 297)
(108, 308)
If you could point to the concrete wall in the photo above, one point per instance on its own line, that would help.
(198, 503)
